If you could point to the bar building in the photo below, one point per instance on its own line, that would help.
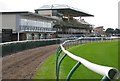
(49, 21)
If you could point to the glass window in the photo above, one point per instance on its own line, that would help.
(23, 22)
(32, 25)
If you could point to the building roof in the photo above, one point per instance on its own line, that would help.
(27, 13)
(14, 12)
(65, 9)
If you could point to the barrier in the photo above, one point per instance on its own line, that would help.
(109, 73)
(16, 46)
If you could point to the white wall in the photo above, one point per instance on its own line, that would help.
(45, 12)
(0, 22)
(0, 47)
(9, 21)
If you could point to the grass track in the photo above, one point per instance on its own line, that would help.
(104, 53)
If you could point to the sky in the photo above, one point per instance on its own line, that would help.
(105, 11)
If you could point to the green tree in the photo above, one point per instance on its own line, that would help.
(109, 31)
(117, 31)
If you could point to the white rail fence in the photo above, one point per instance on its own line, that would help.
(109, 73)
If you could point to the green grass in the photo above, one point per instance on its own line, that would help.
(103, 53)
(47, 69)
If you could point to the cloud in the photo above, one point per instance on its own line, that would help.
(105, 11)
(3, 6)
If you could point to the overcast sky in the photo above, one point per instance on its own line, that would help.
(105, 11)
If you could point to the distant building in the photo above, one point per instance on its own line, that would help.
(98, 31)
(66, 25)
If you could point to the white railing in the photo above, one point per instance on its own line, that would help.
(102, 70)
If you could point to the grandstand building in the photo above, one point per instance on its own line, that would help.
(49, 21)
(67, 24)
(25, 26)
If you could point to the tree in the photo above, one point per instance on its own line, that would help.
(117, 31)
(109, 31)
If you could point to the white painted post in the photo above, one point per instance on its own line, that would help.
(18, 36)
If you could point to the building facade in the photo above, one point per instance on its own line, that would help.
(0, 28)
(49, 21)
(27, 25)
(67, 25)
(99, 31)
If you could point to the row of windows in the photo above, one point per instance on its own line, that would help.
(33, 28)
(35, 23)
(73, 30)
(77, 30)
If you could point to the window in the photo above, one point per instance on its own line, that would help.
(32, 25)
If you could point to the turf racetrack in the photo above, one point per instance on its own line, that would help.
(103, 53)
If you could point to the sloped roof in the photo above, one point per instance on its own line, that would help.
(27, 13)
(56, 6)
(65, 9)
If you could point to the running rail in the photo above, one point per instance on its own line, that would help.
(109, 73)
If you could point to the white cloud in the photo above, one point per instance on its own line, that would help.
(3, 6)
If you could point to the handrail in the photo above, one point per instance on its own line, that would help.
(109, 73)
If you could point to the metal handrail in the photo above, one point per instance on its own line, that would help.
(109, 73)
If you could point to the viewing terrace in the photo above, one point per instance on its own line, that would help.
(66, 16)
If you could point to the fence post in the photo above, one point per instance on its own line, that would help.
(59, 50)
(73, 70)
(58, 66)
